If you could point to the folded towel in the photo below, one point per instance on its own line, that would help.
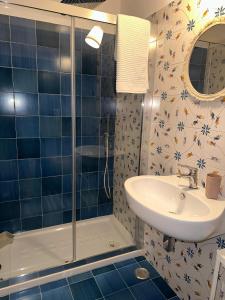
(131, 53)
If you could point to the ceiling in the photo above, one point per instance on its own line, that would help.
(140, 8)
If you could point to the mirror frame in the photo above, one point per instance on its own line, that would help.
(191, 90)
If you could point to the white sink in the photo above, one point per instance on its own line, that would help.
(166, 203)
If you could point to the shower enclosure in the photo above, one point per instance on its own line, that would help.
(57, 132)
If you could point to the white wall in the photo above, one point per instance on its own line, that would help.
(142, 8)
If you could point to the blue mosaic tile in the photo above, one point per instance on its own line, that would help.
(9, 210)
(6, 80)
(23, 56)
(29, 168)
(28, 148)
(103, 270)
(4, 28)
(23, 31)
(146, 290)
(110, 282)
(85, 290)
(52, 219)
(31, 294)
(31, 208)
(164, 287)
(31, 223)
(47, 35)
(8, 170)
(58, 294)
(25, 80)
(6, 104)
(48, 82)
(30, 188)
(79, 277)
(26, 104)
(49, 105)
(48, 59)
(5, 58)
(27, 127)
(121, 295)
(50, 147)
(9, 190)
(124, 263)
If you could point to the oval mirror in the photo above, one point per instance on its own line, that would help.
(206, 67)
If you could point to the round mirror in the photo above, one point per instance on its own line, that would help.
(206, 67)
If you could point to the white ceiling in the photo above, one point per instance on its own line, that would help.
(140, 8)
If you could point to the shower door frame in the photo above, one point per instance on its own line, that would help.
(72, 12)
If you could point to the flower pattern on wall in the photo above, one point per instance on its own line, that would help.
(180, 129)
(126, 154)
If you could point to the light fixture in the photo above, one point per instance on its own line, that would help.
(94, 37)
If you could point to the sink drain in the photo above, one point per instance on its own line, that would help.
(142, 273)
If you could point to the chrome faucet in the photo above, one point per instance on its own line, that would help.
(192, 175)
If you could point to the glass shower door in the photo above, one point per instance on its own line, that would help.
(35, 141)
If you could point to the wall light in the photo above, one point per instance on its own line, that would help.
(94, 37)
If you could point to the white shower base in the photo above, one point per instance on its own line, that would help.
(43, 248)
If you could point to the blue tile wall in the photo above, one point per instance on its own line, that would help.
(35, 118)
(94, 105)
(36, 125)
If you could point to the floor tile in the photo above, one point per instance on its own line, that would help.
(121, 295)
(79, 277)
(140, 258)
(62, 293)
(150, 268)
(53, 285)
(146, 291)
(164, 287)
(103, 270)
(124, 263)
(128, 274)
(29, 294)
(110, 282)
(85, 290)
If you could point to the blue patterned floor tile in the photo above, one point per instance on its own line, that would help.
(79, 277)
(103, 270)
(53, 285)
(62, 293)
(150, 268)
(140, 258)
(124, 263)
(164, 287)
(121, 295)
(146, 291)
(29, 294)
(110, 282)
(85, 290)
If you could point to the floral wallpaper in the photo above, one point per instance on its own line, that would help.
(179, 128)
(126, 154)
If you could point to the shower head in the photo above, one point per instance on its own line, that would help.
(81, 1)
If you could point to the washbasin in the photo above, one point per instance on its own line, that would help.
(166, 203)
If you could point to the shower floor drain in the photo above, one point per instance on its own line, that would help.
(142, 273)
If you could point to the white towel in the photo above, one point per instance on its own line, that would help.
(131, 53)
